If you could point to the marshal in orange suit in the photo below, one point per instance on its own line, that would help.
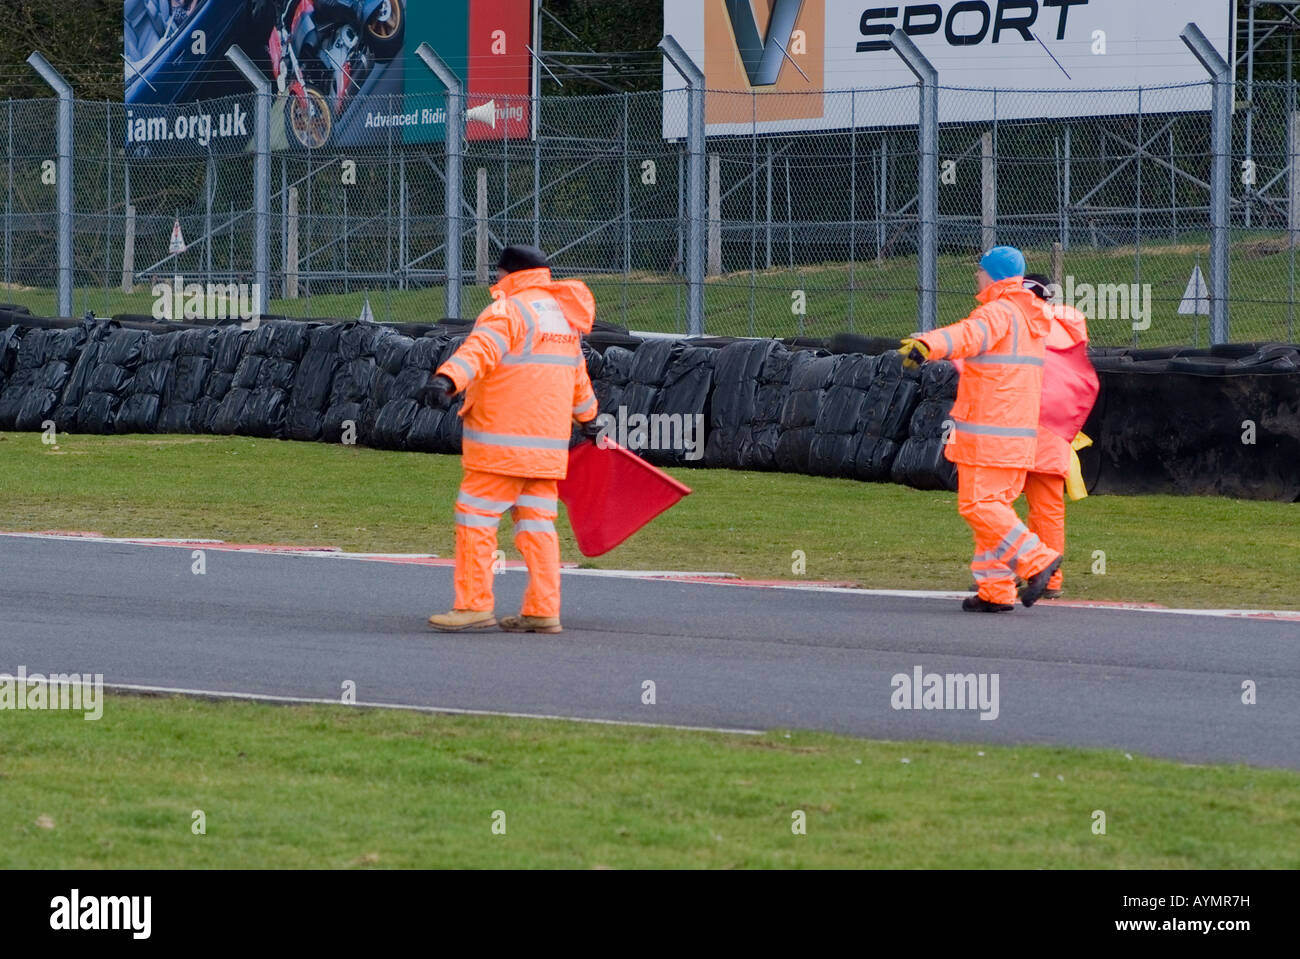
(996, 427)
(1069, 390)
(525, 383)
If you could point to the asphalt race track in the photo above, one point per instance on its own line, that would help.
(720, 656)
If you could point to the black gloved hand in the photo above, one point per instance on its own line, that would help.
(589, 430)
(439, 393)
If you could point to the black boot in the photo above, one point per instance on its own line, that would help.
(978, 604)
(1037, 585)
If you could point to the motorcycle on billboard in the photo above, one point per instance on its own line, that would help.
(321, 53)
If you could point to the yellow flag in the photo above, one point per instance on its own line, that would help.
(1075, 488)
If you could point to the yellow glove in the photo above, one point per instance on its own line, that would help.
(1074, 485)
(915, 352)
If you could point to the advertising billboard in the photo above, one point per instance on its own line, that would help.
(800, 48)
(343, 72)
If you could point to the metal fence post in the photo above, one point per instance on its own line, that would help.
(1220, 182)
(988, 194)
(1068, 187)
(63, 194)
(261, 174)
(853, 202)
(928, 298)
(695, 145)
(627, 205)
(768, 234)
(284, 229)
(9, 197)
(1293, 187)
(455, 136)
(209, 191)
(882, 198)
(403, 226)
(108, 208)
(1137, 230)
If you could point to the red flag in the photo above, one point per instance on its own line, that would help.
(1070, 388)
(611, 493)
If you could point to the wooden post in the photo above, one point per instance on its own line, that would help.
(481, 230)
(989, 192)
(1293, 210)
(128, 251)
(715, 215)
(291, 248)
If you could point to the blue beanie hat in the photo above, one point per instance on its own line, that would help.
(1003, 262)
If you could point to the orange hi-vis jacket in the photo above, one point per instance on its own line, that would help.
(1069, 329)
(524, 376)
(996, 413)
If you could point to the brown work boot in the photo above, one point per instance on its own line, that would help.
(532, 624)
(463, 620)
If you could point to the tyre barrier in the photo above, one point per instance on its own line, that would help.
(1222, 422)
(1214, 422)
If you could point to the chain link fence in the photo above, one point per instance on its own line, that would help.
(806, 235)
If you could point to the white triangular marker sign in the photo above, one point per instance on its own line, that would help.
(1197, 298)
(366, 316)
(177, 244)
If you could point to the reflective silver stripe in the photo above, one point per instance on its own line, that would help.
(1008, 541)
(983, 574)
(1002, 360)
(523, 442)
(947, 340)
(984, 343)
(496, 337)
(477, 522)
(1016, 317)
(540, 359)
(582, 408)
(1009, 431)
(464, 368)
(538, 502)
(1003, 547)
(1032, 543)
(490, 505)
(529, 326)
(534, 526)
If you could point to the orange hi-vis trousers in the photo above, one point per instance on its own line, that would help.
(1045, 493)
(1004, 546)
(533, 504)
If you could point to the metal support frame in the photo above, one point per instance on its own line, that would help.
(455, 146)
(261, 174)
(63, 171)
(9, 194)
(1220, 72)
(536, 89)
(694, 201)
(928, 290)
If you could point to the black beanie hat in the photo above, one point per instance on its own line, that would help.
(516, 258)
(1038, 285)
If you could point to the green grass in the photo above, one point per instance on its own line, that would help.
(1178, 551)
(883, 301)
(335, 787)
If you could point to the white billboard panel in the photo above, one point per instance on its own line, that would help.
(795, 49)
